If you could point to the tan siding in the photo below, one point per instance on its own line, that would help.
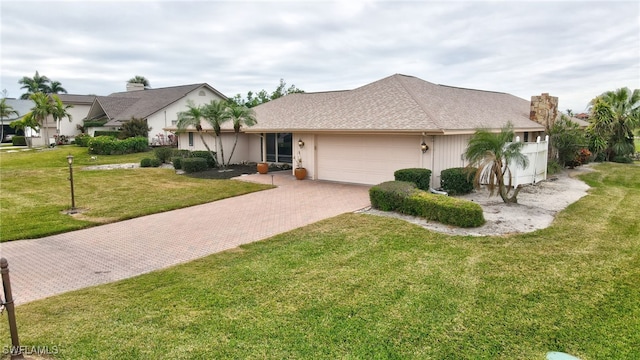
(447, 153)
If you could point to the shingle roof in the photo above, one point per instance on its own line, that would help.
(19, 105)
(76, 99)
(122, 106)
(395, 103)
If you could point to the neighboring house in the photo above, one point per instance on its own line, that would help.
(158, 106)
(364, 135)
(22, 107)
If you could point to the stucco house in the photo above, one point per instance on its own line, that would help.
(160, 107)
(365, 134)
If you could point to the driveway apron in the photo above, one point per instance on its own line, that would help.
(43, 267)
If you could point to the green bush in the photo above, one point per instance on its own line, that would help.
(155, 162)
(420, 177)
(107, 145)
(177, 162)
(163, 153)
(622, 159)
(180, 153)
(211, 161)
(388, 196)
(195, 164)
(457, 181)
(94, 123)
(19, 141)
(444, 209)
(114, 134)
(553, 167)
(82, 140)
(146, 162)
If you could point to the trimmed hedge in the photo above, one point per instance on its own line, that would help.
(211, 161)
(388, 196)
(419, 176)
(457, 181)
(404, 197)
(114, 134)
(180, 153)
(19, 141)
(195, 164)
(146, 162)
(107, 145)
(444, 209)
(177, 162)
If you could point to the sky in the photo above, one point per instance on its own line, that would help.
(574, 50)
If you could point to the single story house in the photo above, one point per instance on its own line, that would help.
(20, 106)
(159, 107)
(365, 134)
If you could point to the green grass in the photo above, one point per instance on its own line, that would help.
(35, 190)
(363, 287)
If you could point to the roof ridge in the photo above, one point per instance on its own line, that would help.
(161, 88)
(463, 88)
(414, 98)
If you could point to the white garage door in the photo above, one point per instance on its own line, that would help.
(365, 159)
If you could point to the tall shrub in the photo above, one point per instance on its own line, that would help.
(419, 176)
(457, 181)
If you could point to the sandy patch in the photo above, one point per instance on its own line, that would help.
(537, 206)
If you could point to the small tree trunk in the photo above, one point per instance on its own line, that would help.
(224, 165)
(213, 155)
(234, 147)
(513, 199)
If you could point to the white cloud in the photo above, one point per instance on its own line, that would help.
(573, 50)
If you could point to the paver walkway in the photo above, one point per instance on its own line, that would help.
(52, 265)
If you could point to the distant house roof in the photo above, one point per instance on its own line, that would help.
(122, 106)
(398, 103)
(76, 99)
(21, 106)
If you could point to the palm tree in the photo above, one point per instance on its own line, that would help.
(6, 111)
(216, 113)
(241, 116)
(140, 80)
(492, 153)
(614, 117)
(55, 88)
(193, 117)
(42, 109)
(34, 85)
(59, 112)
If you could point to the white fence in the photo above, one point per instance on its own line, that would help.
(536, 170)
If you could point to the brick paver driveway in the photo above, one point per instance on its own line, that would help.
(55, 264)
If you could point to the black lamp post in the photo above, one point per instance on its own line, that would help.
(73, 200)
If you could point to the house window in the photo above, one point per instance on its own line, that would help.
(279, 147)
(526, 136)
(174, 122)
(201, 93)
(190, 139)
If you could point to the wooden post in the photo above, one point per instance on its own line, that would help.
(16, 351)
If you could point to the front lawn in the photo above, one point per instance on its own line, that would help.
(35, 189)
(363, 287)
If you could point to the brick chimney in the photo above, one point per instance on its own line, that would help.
(544, 110)
(135, 87)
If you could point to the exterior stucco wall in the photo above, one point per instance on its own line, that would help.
(169, 115)
(247, 149)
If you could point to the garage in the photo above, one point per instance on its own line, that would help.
(365, 159)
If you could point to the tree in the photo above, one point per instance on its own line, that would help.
(6, 111)
(261, 97)
(614, 117)
(42, 109)
(55, 88)
(135, 127)
(492, 153)
(240, 116)
(34, 85)
(59, 111)
(567, 139)
(140, 80)
(193, 117)
(216, 113)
